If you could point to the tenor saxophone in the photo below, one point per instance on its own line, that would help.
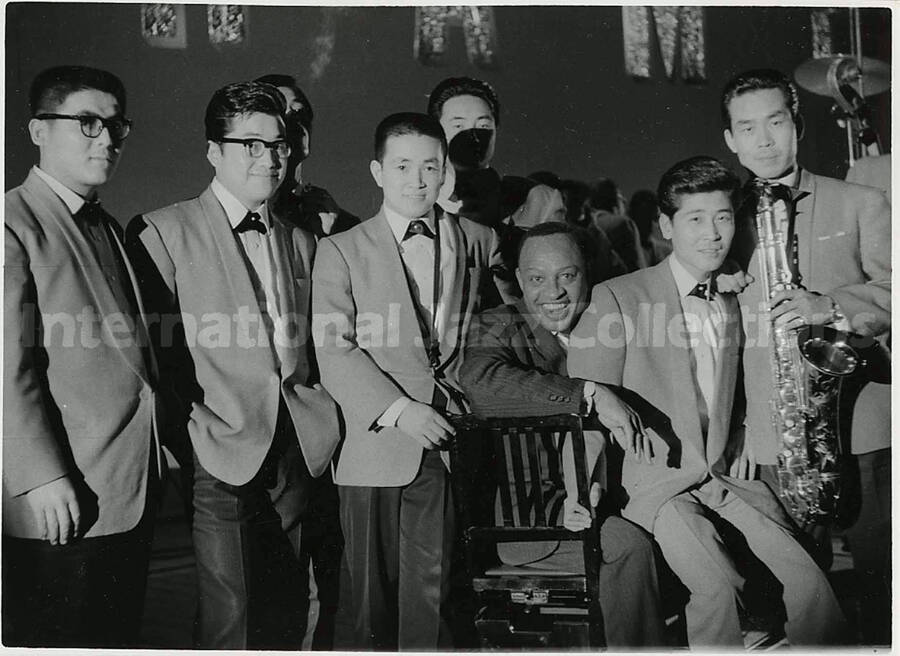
(807, 366)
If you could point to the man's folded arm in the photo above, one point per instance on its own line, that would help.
(498, 384)
(867, 306)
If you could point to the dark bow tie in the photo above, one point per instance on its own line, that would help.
(701, 290)
(252, 221)
(90, 213)
(418, 227)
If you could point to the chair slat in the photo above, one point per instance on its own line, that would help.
(534, 466)
(503, 464)
(523, 499)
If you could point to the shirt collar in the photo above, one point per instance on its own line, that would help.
(400, 223)
(684, 280)
(235, 209)
(72, 200)
(790, 179)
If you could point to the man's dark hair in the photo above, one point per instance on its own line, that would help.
(757, 79)
(51, 87)
(305, 113)
(397, 125)
(604, 195)
(463, 86)
(578, 236)
(240, 99)
(548, 178)
(696, 175)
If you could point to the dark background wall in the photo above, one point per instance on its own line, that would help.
(567, 104)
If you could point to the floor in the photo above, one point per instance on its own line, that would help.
(172, 596)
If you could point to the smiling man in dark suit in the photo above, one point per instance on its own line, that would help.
(80, 454)
(515, 365)
(235, 279)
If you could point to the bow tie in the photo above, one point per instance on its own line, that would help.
(417, 227)
(777, 189)
(90, 213)
(252, 221)
(702, 290)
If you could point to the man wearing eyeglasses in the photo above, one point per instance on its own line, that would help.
(235, 278)
(80, 451)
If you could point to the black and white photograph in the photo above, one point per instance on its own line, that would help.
(447, 328)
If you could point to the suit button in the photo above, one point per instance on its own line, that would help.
(145, 394)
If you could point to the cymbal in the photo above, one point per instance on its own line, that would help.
(812, 74)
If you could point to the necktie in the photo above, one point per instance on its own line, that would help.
(252, 221)
(417, 227)
(701, 290)
(90, 213)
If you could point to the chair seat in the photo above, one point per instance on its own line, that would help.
(526, 570)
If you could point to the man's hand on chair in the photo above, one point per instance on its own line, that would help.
(425, 425)
(577, 517)
(623, 423)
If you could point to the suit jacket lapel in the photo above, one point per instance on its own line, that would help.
(454, 291)
(56, 210)
(684, 393)
(545, 345)
(804, 215)
(231, 264)
(386, 257)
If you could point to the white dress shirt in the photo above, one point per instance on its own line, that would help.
(72, 200)
(703, 320)
(260, 255)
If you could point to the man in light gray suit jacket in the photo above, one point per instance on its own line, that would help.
(392, 300)
(80, 454)
(672, 343)
(230, 282)
(842, 238)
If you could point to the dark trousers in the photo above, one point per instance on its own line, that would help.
(629, 590)
(88, 593)
(397, 544)
(253, 581)
(870, 545)
(628, 584)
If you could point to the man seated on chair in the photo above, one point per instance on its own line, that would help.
(515, 365)
(673, 345)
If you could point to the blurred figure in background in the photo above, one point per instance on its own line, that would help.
(606, 262)
(607, 210)
(644, 212)
(548, 178)
(306, 206)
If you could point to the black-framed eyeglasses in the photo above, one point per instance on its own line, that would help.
(256, 147)
(92, 126)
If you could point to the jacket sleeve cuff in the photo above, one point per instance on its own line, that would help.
(389, 417)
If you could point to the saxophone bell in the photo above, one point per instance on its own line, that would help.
(828, 351)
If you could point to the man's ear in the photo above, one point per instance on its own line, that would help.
(214, 153)
(37, 129)
(800, 126)
(375, 170)
(519, 278)
(729, 140)
(665, 225)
